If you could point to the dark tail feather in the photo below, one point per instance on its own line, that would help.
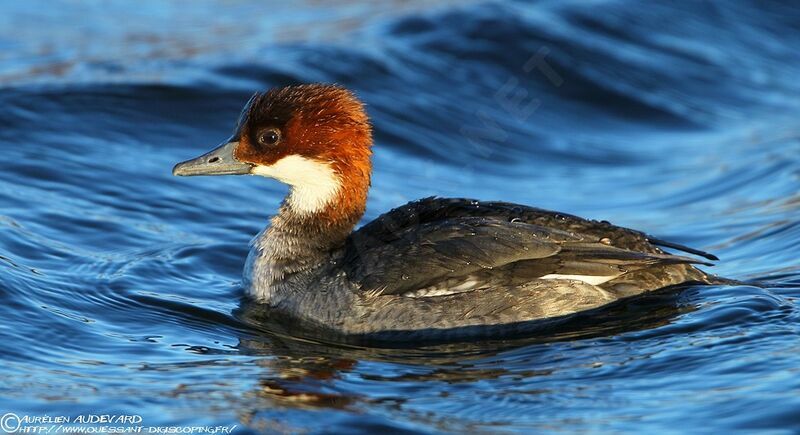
(683, 248)
(597, 253)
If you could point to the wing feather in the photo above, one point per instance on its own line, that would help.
(424, 246)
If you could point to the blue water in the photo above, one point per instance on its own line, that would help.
(120, 284)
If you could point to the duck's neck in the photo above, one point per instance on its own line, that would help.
(304, 233)
(302, 237)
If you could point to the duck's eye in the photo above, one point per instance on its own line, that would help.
(269, 137)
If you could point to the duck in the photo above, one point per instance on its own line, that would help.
(433, 268)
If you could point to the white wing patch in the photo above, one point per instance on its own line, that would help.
(588, 279)
(444, 289)
(455, 286)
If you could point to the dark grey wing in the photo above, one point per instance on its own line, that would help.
(423, 255)
(480, 250)
(438, 241)
(388, 226)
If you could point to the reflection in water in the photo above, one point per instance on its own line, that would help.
(301, 365)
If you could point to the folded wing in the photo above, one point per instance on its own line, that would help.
(425, 249)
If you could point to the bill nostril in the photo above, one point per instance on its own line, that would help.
(213, 160)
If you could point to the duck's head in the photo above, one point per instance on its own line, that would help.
(315, 138)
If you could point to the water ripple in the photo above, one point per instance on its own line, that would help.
(120, 284)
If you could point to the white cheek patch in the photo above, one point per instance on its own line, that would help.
(314, 183)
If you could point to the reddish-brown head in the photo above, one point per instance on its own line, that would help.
(321, 122)
(316, 138)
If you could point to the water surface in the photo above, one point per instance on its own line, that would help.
(120, 289)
